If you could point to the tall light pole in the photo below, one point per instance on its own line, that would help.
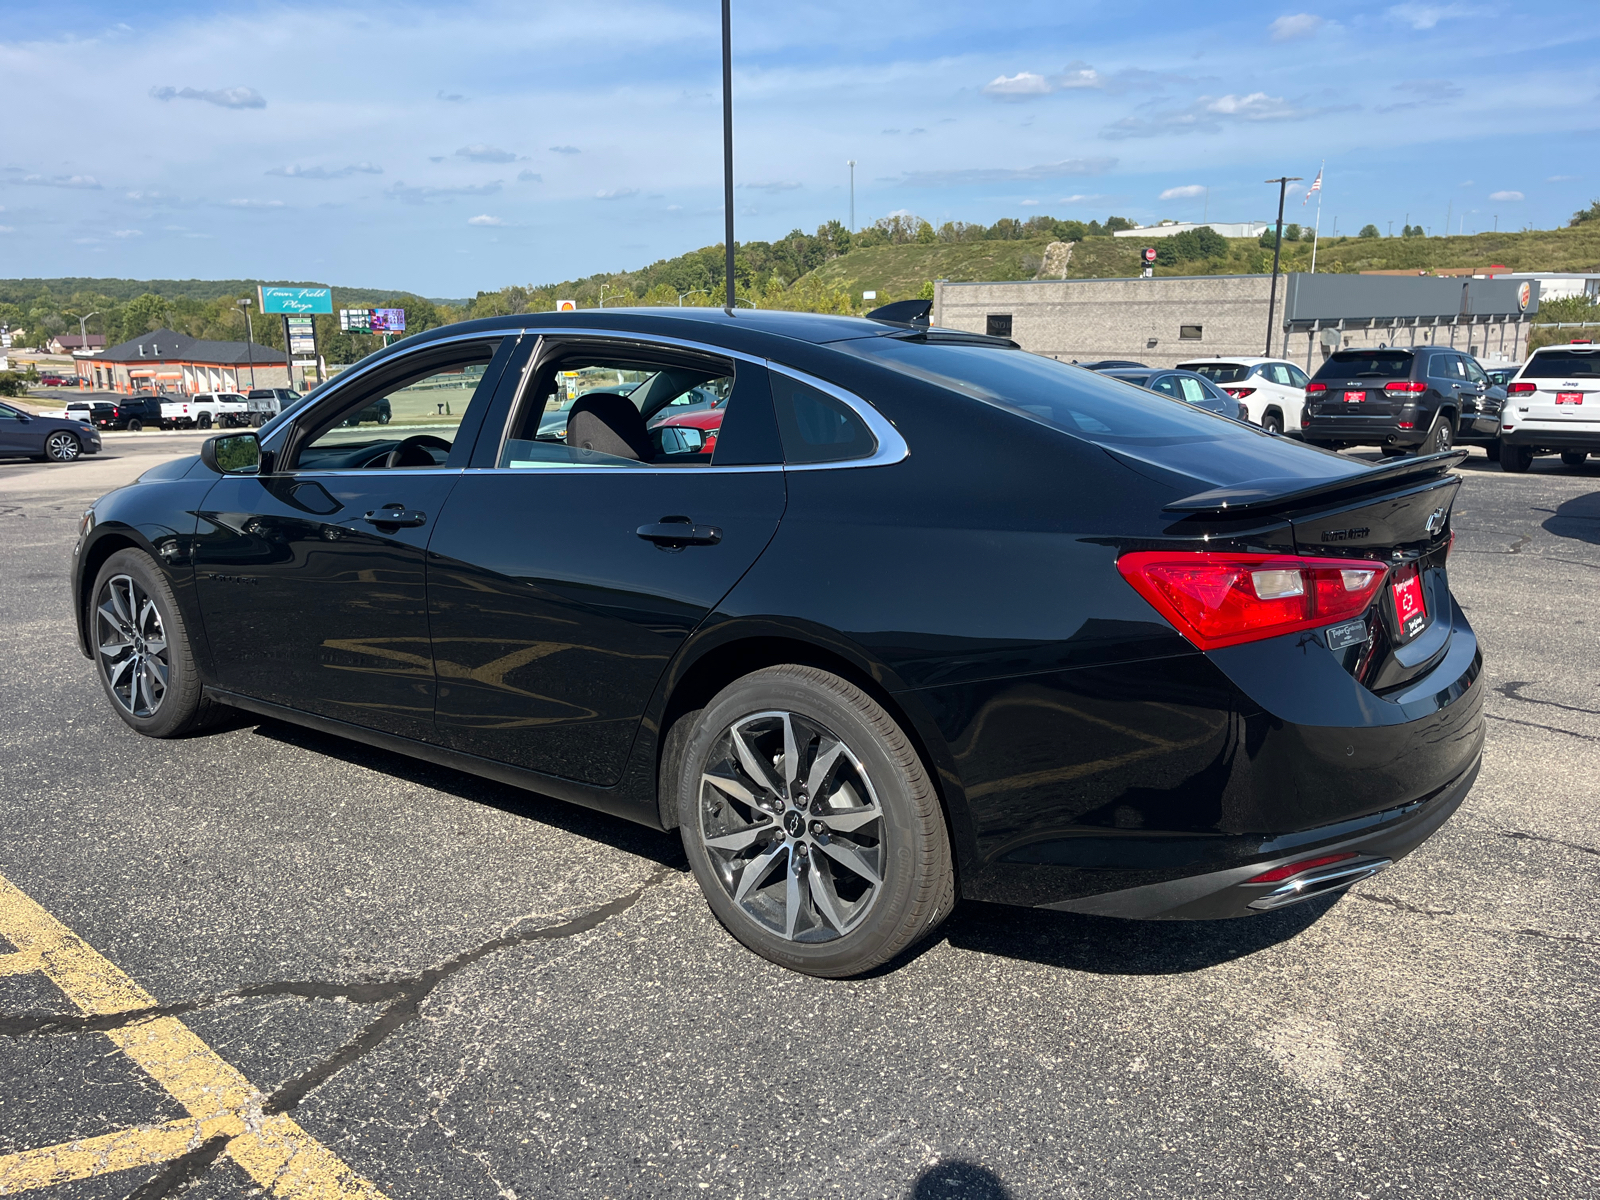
(694, 292)
(1283, 183)
(249, 339)
(727, 147)
(83, 336)
(851, 163)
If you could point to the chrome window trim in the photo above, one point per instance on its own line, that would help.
(891, 449)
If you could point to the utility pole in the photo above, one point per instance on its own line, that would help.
(1283, 182)
(249, 339)
(694, 292)
(851, 163)
(727, 146)
(83, 336)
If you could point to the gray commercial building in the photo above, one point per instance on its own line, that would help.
(1166, 320)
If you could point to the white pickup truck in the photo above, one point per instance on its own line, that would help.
(204, 410)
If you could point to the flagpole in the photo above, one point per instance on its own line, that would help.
(1316, 233)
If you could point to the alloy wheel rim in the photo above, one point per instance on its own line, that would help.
(792, 826)
(133, 652)
(63, 445)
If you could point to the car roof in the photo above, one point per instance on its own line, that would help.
(1248, 360)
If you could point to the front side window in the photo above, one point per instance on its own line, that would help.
(1475, 372)
(408, 422)
(9, 414)
(619, 410)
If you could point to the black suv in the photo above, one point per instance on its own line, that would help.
(1423, 398)
(131, 412)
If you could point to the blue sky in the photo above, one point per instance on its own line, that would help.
(463, 146)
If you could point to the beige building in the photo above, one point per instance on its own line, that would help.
(1169, 319)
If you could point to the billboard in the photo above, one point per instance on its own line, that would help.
(388, 320)
(355, 320)
(302, 336)
(295, 301)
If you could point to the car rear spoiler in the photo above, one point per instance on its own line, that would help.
(1261, 495)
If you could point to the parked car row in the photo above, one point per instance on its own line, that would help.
(47, 439)
(1552, 407)
(203, 410)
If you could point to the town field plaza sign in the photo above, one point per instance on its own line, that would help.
(296, 301)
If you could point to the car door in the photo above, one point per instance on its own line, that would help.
(311, 576)
(16, 433)
(574, 559)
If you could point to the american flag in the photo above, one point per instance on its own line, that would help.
(1316, 186)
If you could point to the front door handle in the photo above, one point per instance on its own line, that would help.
(674, 533)
(395, 516)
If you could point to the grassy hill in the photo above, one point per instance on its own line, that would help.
(23, 291)
(896, 272)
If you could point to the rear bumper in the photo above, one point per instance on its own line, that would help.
(1363, 432)
(1550, 436)
(1375, 841)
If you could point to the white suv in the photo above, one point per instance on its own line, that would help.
(1552, 406)
(1272, 390)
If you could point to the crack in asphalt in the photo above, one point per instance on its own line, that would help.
(1403, 906)
(1513, 691)
(1396, 902)
(1588, 737)
(1519, 835)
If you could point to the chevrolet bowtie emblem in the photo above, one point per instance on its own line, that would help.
(1436, 522)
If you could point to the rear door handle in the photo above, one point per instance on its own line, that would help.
(396, 517)
(674, 533)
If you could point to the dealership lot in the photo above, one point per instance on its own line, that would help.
(454, 988)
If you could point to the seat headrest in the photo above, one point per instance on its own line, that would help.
(610, 424)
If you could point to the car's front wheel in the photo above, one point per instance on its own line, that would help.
(62, 447)
(145, 663)
(811, 824)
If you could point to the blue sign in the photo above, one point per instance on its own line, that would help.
(296, 301)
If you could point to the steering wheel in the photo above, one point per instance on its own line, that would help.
(413, 452)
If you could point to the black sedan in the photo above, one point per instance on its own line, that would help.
(1188, 386)
(47, 439)
(939, 618)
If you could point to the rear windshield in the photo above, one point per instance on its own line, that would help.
(1366, 364)
(1041, 389)
(1218, 372)
(1562, 364)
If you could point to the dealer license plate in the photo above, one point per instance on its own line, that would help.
(1354, 397)
(1569, 397)
(1409, 607)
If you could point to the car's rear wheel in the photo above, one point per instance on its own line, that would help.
(1272, 422)
(1492, 449)
(811, 824)
(1440, 437)
(1515, 459)
(1574, 458)
(145, 663)
(205, 421)
(136, 426)
(62, 446)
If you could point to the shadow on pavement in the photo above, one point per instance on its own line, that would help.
(959, 1180)
(663, 848)
(1578, 518)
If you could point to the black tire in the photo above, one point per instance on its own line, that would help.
(906, 841)
(1573, 458)
(135, 426)
(1272, 422)
(1492, 449)
(1516, 459)
(383, 418)
(205, 421)
(62, 446)
(1391, 451)
(1441, 436)
(182, 706)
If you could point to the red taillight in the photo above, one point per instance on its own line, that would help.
(1406, 424)
(1239, 393)
(1218, 599)
(1316, 387)
(1521, 388)
(1305, 864)
(1405, 385)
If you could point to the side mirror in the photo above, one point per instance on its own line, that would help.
(232, 454)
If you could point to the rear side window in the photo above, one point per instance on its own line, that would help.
(1219, 372)
(1562, 364)
(1366, 364)
(817, 427)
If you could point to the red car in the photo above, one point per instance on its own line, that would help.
(708, 421)
(58, 381)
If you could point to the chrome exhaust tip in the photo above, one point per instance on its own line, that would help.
(1318, 881)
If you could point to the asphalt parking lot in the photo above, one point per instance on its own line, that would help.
(389, 978)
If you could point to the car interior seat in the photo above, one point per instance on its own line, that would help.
(609, 424)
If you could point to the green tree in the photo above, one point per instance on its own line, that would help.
(143, 314)
(1291, 233)
(1368, 231)
(1592, 213)
(1114, 224)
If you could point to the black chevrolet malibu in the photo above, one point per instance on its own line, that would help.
(912, 615)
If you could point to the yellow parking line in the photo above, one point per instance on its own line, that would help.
(279, 1155)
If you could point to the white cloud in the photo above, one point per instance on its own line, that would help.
(6, 229)
(529, 177)
(294, 172)
(1506, 196)
(60, 181)
(1301, 25)
(235, 97)
(1187, 192)
(127, 233)
(565, 150)
(616, 193)
(1426, 16)
(453, 97)
(255, 203)
(777, 185)
(1066, 169)
(1080, 198)
(400, 190)
(1029, 203)
(1208, 114)
(1021, 86)
(478, 152)
(484, 219)
(1560, 178)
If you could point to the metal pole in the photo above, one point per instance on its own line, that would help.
(288, 353)
(249, 342)
(1277, 249)
(851, 163)
(727, 145)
